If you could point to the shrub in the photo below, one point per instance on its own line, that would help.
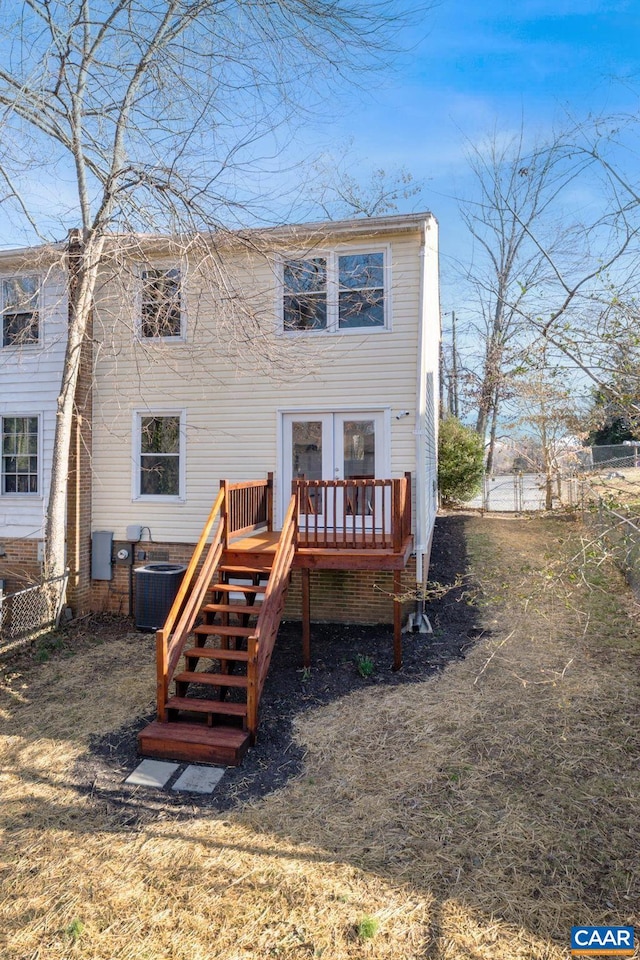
(460, 461)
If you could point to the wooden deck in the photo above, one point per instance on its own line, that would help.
(260, 548)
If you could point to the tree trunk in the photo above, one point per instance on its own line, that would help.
(494, 431)
(83, 260)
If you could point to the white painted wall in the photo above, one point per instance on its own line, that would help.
(231, 391)
(29, 385)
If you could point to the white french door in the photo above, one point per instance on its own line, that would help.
(334, 446)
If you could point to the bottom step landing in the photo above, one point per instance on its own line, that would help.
(193, 742)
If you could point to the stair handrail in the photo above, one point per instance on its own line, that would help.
(186, 606)
(260, 644)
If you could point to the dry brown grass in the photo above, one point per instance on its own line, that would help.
(624, 488)
(476, 816)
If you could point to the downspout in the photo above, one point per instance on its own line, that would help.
(418, 620)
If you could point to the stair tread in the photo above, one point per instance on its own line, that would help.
(238, 587)
(201, 705)
(213, 629)
(217, 653)
(212, 679)
(184, 732)
(241, 608)
(237, 569)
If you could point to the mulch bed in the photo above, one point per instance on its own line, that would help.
(290, 690)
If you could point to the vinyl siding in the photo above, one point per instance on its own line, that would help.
(30, 383)
(233, 387)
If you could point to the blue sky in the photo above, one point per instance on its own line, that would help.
(480, 67)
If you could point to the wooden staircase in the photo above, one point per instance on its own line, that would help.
(216, 647)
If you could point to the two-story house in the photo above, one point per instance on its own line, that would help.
(303, 352)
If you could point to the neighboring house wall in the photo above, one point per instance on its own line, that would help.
(30, 372)
(225, 382)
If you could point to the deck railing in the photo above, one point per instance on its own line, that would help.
(248, 506)
(354, 514)
(260, 645)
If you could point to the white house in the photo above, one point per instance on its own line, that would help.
(306, 351)
(33, 306)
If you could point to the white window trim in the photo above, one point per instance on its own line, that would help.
(137, 326)
(136, 452)
(331, 256)
(21, 497)
(35, 344)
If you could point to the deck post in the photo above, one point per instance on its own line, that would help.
(162, 675)
(270, 500)
(397, 620)
(406, 532)
(306, 616)
(396, 514)
(225, 512)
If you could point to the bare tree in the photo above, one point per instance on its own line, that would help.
(339, 192)
(547, 409)
(516, 189)
(542, 269)
(155, 113)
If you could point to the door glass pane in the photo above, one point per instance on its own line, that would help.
(359, 464)
(359, 449)
(306, 463)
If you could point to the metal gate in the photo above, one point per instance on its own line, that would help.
(511, 493)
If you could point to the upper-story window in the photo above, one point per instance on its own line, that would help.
(305, 294)
(335, 291)
(20, 324)
(19, 455)
(161, 304)
(361, 290)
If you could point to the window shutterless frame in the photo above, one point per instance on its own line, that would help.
(20, 309)
(159, 455)
(20, 453)
(160, 304)
(344, 290)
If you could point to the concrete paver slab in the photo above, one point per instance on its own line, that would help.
(152, 773)
(199, 779)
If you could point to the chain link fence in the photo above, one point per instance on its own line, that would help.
(510, 493)
(29, 612)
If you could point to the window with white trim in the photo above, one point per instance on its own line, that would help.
(305, 294)
(335, 291)
(159, 455)
(20, 442)
(161, 308)
(20, 321)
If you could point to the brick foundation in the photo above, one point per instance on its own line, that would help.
(19, 566)
(337, 596)
(346, 596)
